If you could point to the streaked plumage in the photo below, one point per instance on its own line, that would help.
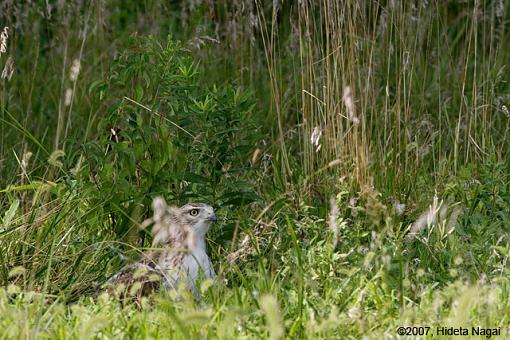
(179, 256)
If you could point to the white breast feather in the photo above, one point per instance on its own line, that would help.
(195, 266)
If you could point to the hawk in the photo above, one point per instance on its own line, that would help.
(179, 252)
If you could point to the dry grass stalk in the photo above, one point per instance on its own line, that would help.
(330, 62)
(270, 42)
(333, 216)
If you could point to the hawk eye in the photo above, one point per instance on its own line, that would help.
(193, 212)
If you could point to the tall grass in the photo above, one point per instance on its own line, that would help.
(415, 71)
(378, 168)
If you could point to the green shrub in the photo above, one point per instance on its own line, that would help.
(165, 134)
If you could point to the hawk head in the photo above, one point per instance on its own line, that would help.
(180, 225)
(199, 216)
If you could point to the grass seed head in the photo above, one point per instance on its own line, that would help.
(349, 104)
(8, 70)
(3, 40)
(269, 306)
(315, 138)
(68, 97)
(75, 70)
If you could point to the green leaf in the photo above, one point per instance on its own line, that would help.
(195, 178)
(31, 186)
(138, 92)
(10, 213)
(239, 198)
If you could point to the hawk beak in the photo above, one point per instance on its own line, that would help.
(212, 218)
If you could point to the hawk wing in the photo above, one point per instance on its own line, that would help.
(136, 280)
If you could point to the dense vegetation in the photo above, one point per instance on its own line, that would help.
(356, 152)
